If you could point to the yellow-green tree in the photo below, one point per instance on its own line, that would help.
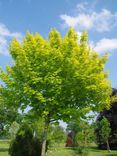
(55, 76)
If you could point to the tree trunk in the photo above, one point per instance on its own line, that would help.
(43, 150)
(108, 147)
(85, 142)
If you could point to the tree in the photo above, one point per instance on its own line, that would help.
(13, 129)
(55, 77)
(111, 116)
(84, 137)
(56, 134)
(104, 131)
(24, 143)
(83, 134)
(83, 144)
(7, 116)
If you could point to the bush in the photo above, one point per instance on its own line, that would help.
(82, 151)
(25, 144)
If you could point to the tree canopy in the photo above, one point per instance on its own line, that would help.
(55, 73)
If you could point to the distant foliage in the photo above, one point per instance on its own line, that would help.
(82, 135)
(13, 129)
(111, 116)
(56, 134)
(104, 131)
(7, 116)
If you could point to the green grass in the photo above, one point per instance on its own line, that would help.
(60, 150)
(4, 145)
(93, 151)
(70, 152)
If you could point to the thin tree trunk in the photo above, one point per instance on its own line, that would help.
(43, 150)
(85, 143)
(108, 147)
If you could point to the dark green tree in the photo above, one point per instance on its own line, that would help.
(25, 144)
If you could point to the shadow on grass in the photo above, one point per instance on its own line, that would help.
(3, 149)
(111, 154)
(73, 149)
(94, 149)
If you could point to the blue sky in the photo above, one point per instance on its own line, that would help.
(98, 17)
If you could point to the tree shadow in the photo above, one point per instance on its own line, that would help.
(74, 149)
(111, 154)
(3, 149)
(94, 149)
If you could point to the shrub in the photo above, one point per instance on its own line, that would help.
(25, 144)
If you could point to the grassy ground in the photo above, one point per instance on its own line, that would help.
(60, 150)
(93, 151)
(4, 145)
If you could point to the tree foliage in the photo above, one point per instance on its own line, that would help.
(55, 73)
(83, 132)
(7, 116)
(82, 135)
(56, 134)
(13, 129)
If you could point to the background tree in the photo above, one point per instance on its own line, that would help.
(55, 77)
(56, 135)
(104, 131)
(83, 135)
(111, 115)
(7, 116)
(13, 129)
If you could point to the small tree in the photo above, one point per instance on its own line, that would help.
(24, 143)
(83, 134)
(104, 131)
(13, 129)
(55, 77)
(82, 141)
(56, 134)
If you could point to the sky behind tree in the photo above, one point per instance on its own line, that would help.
(97, 17)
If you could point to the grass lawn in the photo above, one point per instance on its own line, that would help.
(95, 152)
(60, 150)
(4, 145)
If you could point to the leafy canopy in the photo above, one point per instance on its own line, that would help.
(55, 76)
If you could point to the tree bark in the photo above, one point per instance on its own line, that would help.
(43, 150)
(108, 147)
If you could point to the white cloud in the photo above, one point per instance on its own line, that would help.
(82, 6)
(88, 19)
(81, 21)
(3, 46)
(5, 36)
(105, 45)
